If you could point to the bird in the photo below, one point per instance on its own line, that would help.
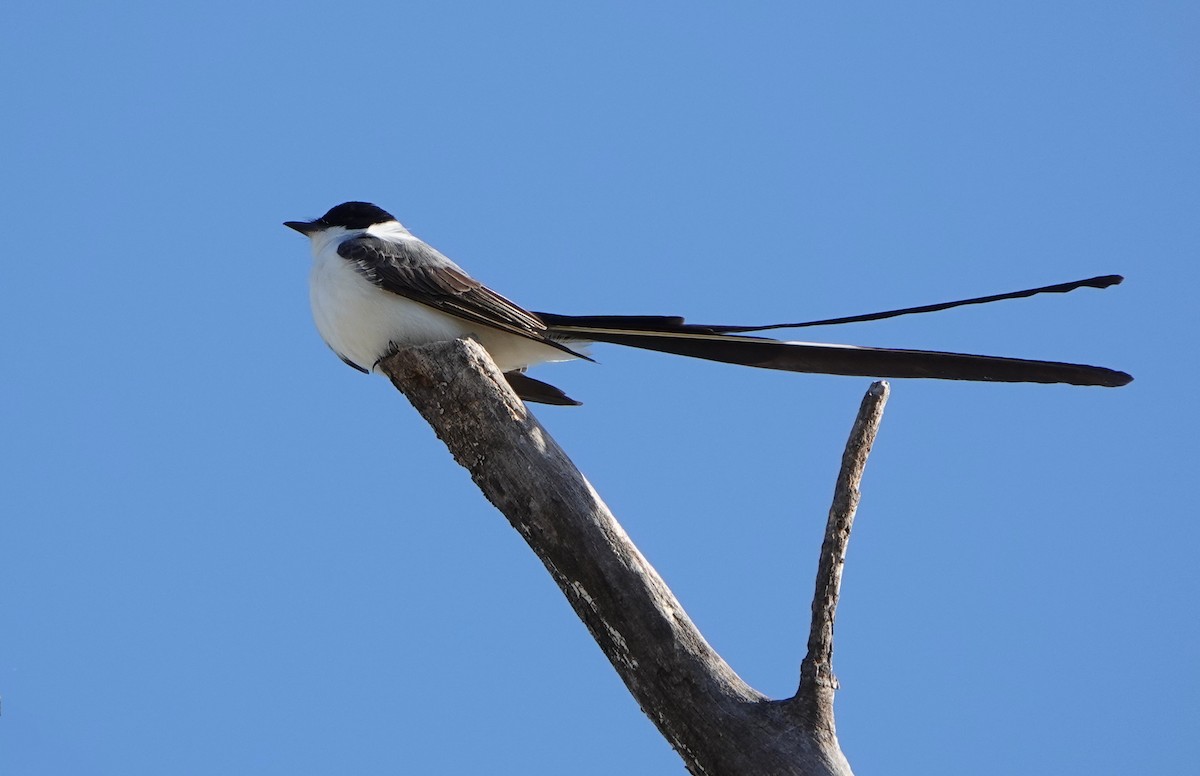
(375, 287)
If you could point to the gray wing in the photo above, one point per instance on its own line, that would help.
(414, 270)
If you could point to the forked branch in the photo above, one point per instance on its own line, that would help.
(717, 723)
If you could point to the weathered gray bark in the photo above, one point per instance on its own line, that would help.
(717, 723)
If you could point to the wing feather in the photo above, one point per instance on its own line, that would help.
(412, 269)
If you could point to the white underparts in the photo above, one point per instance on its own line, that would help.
(362, 322)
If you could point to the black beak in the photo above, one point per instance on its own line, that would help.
(304, 227)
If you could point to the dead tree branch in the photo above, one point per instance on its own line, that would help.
(717, 723)
(817, 682)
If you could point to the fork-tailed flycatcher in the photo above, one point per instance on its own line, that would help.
(375, 287)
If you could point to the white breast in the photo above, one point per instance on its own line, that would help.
(362, 322)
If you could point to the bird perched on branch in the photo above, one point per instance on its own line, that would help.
(375, 287)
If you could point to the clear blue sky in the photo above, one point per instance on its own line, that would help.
(222, 551)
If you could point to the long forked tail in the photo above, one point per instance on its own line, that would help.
(729, 344)
(830, 359)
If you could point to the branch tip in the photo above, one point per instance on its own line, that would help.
(817, 682)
